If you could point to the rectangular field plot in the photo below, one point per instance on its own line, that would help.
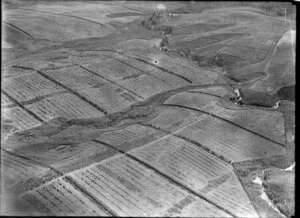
(75, 77)
(267, 123)
(232, 142)
(193, 100)
(145, 85)
(183, 68)
(64, 105)
(5, 101)
(15, 169)
(171, 118)
(130, 189)
(60, 198)
(109, 97)
(29, 86)
(19, 118)
(130, 137)
(182, 161)
(114, 70)
(170, 79)
(195, 168)
(229, 193)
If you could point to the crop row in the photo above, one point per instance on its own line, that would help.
(268, 123)
(145, 85)
(232, 197)
(18, 117)
(75, 78)
(29, 86)
(16, 169)
(131, 189)
(57, 28)
(107, 97)
(232, 142)
(113, 69)
(59, 198)
(5, 101)
(64, 105)
(126, 135)
(182, 161)
(170, 79)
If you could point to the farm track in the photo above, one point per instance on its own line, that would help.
(99, 204)
(168, 178)
(19, 29)
(221, 118)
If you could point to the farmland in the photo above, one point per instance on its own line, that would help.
(64, 105)
(130, 137)
(153, 109)
(61, 198)
(127, 189)
(19, 118)
(232, 146)
(28, 87)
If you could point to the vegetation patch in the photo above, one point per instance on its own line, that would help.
(256, 98)
(287, 93)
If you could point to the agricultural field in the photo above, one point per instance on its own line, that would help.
(16, 170)
(14, 72)
(109, 97)
(166, 77)
(130, 137)
(5, 101)
(181, 68)
(114, 70)
(187, 164)
(235, 144)
(75, 78)
(267, 123)
(127, 190)
(172, 119)
(29, 87)
(65, 105)
(192, 99)
(166, 109)
(66, 157)
(17, 119)
(60, 198)
(145, 85)
(53, 27)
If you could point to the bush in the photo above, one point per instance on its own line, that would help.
(280, 12)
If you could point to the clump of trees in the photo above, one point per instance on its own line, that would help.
(164, 44)
(153, 23)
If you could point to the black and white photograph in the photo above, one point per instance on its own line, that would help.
(148, 108)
